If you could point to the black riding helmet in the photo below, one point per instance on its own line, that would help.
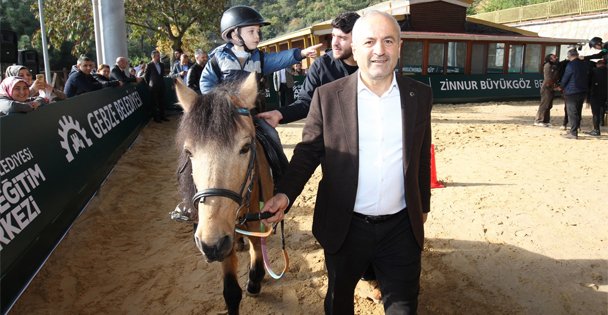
(240, 16)
(595, 41)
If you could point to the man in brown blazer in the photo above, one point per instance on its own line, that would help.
(371, 134)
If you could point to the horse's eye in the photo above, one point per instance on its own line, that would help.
(188, 153)
(245, 149)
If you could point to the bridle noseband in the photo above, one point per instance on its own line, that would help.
(201, 195)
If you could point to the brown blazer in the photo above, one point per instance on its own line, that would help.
(330, 138)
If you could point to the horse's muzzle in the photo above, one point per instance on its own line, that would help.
(215, 252)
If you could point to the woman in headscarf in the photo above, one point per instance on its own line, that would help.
(34, 86)
(15, 97)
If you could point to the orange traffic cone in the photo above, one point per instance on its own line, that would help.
(434, 182)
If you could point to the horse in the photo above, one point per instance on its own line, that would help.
(229, 176)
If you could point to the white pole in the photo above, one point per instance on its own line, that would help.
(45, 51)
(98, 36)
(114, 29)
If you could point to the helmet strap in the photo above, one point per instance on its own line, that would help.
(241, 42)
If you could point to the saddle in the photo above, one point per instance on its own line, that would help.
(272, 150)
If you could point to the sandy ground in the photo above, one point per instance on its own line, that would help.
(519, 229)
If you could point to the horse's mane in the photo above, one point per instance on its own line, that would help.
(211, 119)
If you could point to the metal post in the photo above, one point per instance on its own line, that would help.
(114, 29)
(45, 51)
(98, 37)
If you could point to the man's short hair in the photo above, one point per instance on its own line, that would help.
(82, 59)
(199, 52)
(154, 52)
(179, 51)
(345, 21)
(572, 53)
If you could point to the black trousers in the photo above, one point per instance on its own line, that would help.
(391, 248)
(574, 107)
(286, 95)
(158, 102)
(598, 109)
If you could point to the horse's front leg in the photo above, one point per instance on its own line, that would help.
(232, 291)
(256, 267)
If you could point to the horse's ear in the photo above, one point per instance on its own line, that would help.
(185, 95)
(249, 90)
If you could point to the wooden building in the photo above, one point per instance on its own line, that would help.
(452, 52)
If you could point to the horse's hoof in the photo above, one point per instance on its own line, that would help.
(253, 289)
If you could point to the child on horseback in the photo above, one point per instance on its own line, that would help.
(240, 28)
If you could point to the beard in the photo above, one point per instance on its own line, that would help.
(344, 54)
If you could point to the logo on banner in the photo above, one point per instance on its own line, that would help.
(73, 137)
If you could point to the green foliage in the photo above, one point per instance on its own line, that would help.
(493, 5)
(150, 22)
(173, 20)
(15, 15)
(69, 20)
(291, 15)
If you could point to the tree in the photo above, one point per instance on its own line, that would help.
(174, 19)
(493, 5)
(68, 20)
(72, 20)
(15, 15)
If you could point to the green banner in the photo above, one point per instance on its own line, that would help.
(458, 88)
(52, 161)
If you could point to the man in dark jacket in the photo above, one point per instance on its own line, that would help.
(194, 74)
(336, 64)
(119, 71)
(597, 95)
(154, 76)
(575, 84)
(82, 81)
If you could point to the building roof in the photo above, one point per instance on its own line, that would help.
(400, 9)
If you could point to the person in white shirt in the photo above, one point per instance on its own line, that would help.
(371, 134)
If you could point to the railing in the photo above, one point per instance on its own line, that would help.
(544, 11)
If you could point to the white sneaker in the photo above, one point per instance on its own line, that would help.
(539, 124)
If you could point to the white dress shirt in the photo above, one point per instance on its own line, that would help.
(381, 187)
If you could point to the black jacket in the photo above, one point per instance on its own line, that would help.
(599, 84)
(105, 82)
(154, 79)
(119, 75)
(325, 69)
(194, 76)
(79, 83)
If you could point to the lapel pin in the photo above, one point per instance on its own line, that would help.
(411, 93)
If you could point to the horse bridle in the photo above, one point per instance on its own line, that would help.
(230, 194)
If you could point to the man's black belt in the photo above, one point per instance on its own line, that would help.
(373, 219)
